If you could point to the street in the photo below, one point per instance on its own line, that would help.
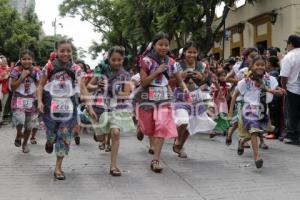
(212, 171)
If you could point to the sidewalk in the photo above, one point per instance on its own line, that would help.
(212, 172)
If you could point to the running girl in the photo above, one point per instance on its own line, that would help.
(155, 113)
(59, 85)
(24, 81)
(257, 90)
(112, 90)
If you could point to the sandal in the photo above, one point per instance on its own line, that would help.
(49, 147)
(259, 163)
(60, 177)
(228, 141)
(240, 150)
(139, 135)
(108, 148)
(263, 146)
(101, 146)
(212, 135)
(155, 166)
(18, 142)
(25, 149)
(115, 172)
(151, 151)
(77, 140)
(33, 141)
(177, 149)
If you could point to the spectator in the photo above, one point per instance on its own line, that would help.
(4, 76)
(290, 80)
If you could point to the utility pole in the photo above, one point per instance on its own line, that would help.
(54, 24)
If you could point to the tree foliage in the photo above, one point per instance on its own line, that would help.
(18, 32)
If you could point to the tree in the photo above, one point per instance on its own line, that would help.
(18, 33)
(133, 22)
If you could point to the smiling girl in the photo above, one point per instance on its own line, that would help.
(61, 80)
(111, 91)
(155, 113)
(24, 81)
(257, 90)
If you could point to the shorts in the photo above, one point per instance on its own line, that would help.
(28, 120)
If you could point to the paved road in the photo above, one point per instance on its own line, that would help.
(212, 172)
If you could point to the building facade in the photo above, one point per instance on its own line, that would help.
(265, 24)
(22, 5)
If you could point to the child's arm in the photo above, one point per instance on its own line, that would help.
(278, 91)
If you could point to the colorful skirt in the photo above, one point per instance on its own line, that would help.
(157, 121)
(251, 121)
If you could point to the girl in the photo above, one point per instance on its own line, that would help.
(112, 90)
(24, 81)
(154, 113)
(235, 75)
(257, 90)
(59, 85)
(220, 100)
(190, 117)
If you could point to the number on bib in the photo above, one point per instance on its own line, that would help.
(158, 93)
(62, 105)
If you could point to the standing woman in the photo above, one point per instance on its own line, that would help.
(155, 113)
(112, 90)
(4, 85)
(190, 117)
(24, 81)
(56, 93)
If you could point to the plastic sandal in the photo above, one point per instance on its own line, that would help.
(25, 149)
(33, 141)
(155, 167)
(115, 172)
(60, 177)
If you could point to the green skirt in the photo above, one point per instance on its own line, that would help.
(116, 119)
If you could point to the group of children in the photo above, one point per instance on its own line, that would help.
(169, 98)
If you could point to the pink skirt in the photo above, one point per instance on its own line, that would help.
(157, 122)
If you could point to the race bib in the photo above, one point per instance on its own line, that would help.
(158, 93)
(99, 101)
(24, 103)
(62, 105)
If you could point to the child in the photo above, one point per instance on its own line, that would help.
(112, 90)
(24, 81)
(190, 117)
(221, 91)
(61, 81)
(234, 76)
(257, 89)
(154, 112)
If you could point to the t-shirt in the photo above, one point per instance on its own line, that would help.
(251, 93)
(290, 68)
